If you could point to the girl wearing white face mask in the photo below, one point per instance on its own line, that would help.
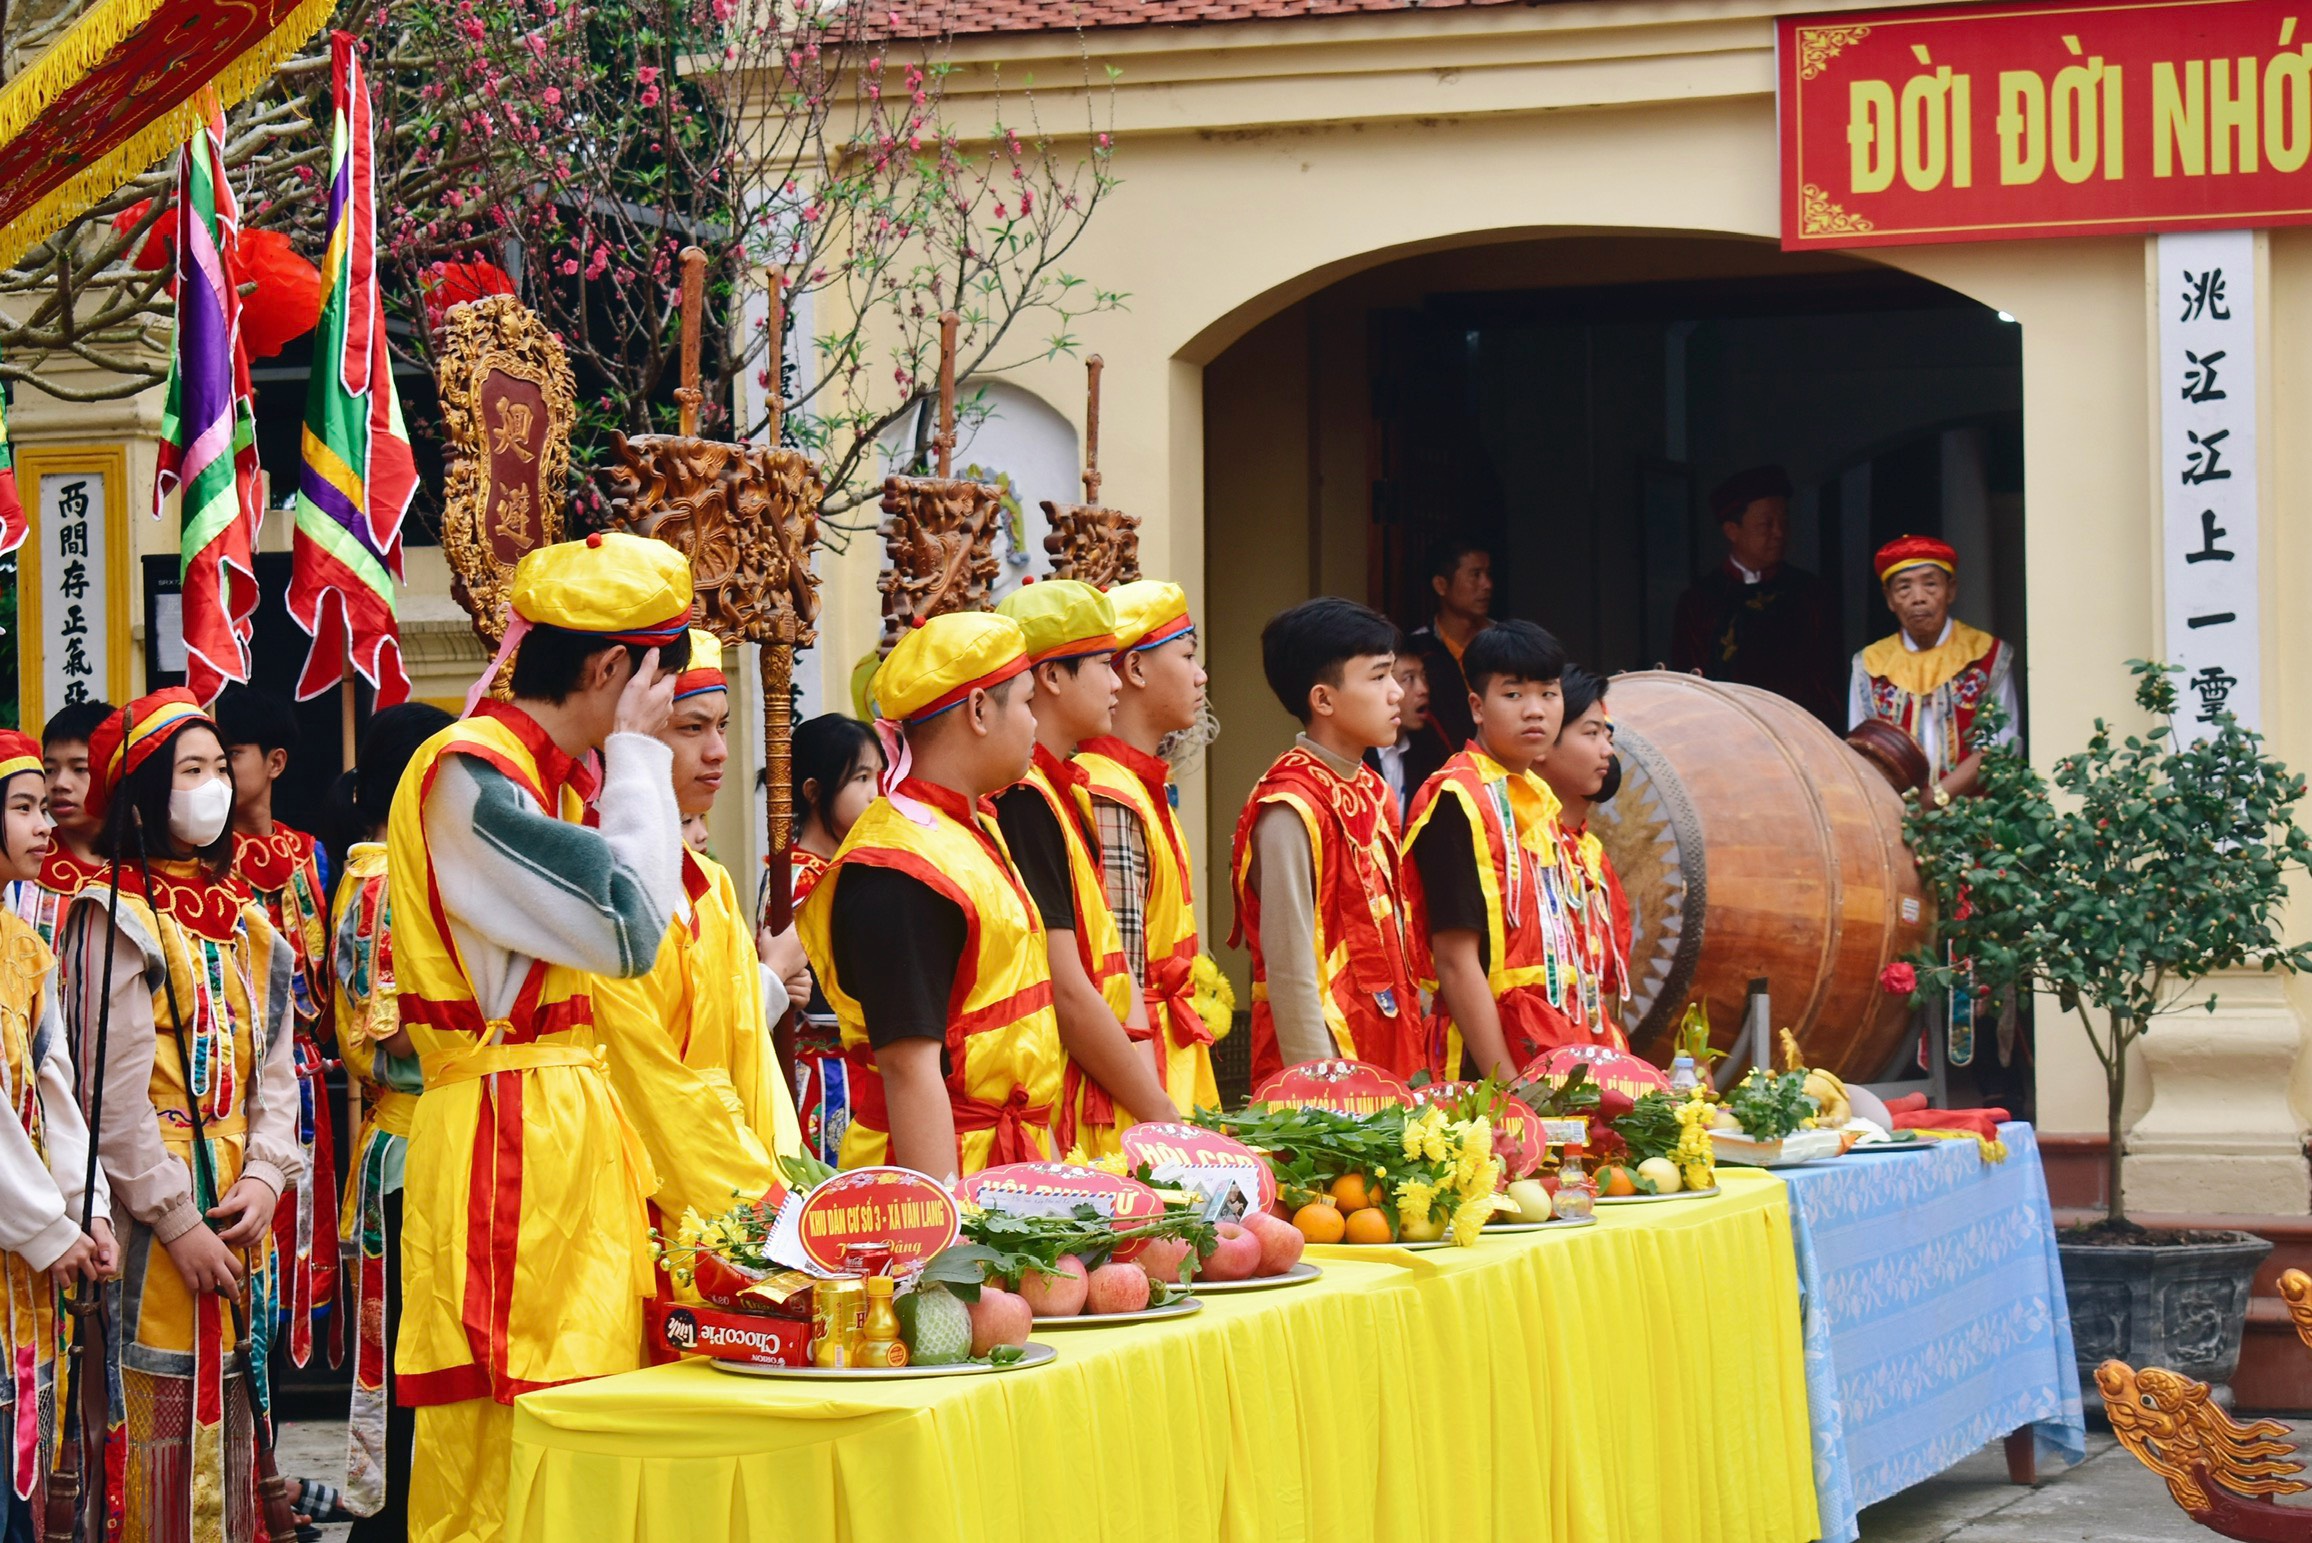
(199, 1126)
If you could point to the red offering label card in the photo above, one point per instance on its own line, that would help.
(1608, 1068)
(912, 1212)
(1517, 1130)
(1167, 1146)
(1049, 1189)
(1352, 1087)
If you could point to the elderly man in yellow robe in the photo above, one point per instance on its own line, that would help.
(525, 1257)
(1934, 673)
(922, 933)
(695, 996)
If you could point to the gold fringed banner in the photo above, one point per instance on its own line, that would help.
(121, 90)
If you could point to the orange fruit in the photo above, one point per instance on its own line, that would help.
(1350, 1193)
(1617, 1182)
(1319, 1222)
(1371, 1225)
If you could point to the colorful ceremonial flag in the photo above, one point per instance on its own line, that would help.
(358, 475)
(13, 526)
(208, 452)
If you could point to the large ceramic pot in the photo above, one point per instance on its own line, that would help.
(2182, 1306)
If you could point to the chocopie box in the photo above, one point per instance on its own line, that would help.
(753, 1338)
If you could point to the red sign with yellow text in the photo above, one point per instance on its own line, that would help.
(1352, 1087)
(910, 1211)
(1987, 123)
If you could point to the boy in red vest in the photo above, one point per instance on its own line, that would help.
(1484, 848)
(1318, 895)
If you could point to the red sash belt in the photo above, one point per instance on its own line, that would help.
(1009, 1120)
(1172, 993)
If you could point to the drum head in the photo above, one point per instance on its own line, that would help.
(1651, 832)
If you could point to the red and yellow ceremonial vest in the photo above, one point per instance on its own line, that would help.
(1123, 775)
(1530, 945)
(30, 1327)
(1601, 914)
(1087, 1114)
(44, 902)
(1004, 1059)
(1372, 1003)
(281, 874)
(525, 1248)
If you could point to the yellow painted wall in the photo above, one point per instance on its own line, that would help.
(1262, 163)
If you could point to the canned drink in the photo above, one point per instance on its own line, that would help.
(838, 1316)
(864, 1259)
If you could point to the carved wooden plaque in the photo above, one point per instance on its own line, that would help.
(1100, 546)
(939, 536)
(507, 400)
(746, 518)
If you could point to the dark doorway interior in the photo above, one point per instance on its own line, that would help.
(1579, 431)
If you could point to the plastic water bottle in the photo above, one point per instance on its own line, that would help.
(1683, 1078)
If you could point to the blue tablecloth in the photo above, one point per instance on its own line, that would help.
(1935, 1317)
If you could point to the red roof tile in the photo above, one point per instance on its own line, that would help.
(964, 18)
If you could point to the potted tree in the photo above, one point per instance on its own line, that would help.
(2148, 866)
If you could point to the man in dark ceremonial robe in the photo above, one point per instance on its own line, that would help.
(1754, 619)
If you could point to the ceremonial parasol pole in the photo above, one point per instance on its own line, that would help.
(746, 517)
(1090, 541)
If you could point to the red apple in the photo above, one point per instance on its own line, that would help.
(1280, 1243)
(1236, 1258)
(1160, 1259)
(1055, 1296)
(999, 1318)
(1117, 1288)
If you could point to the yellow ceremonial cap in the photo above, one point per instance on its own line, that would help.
(1063, 619)
(941, 661)
(629, 589)
(705, 671)
(1149, 612)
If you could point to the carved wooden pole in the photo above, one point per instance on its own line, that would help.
(777, 323)
(686, 395)
(945, 439)
(1092, 369)
(778, 670)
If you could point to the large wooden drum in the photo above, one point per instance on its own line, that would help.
(1754, 843)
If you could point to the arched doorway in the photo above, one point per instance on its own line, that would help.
(1571, 402)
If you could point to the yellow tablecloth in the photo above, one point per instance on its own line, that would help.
(1638, 1380)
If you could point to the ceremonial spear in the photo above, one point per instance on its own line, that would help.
(746, 517)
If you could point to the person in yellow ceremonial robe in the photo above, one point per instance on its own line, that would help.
(1144, 859)
(44, 1175)
(182, 980)
(1115, 1074)
(1932, 675)
(71, 863)
(525, 1256)
(692, 1024)
(382, 1087)
(923, 936)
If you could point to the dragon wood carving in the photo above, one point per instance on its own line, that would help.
(746, 518)
(2220, 1471)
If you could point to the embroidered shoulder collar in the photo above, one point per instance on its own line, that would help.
(267, 864)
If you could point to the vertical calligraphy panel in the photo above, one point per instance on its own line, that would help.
(72, 579)
(2207, 394)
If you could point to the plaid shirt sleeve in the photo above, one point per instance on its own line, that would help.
(1124, 866)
